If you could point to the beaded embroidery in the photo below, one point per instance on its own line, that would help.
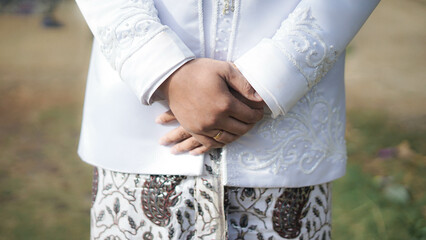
(133, 30)
(301, 40)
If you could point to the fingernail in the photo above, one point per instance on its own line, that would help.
(256, 95)
(159, 120)
(162, 142)
(174, 151)
(193, 153)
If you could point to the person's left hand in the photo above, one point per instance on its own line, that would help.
(183, 140)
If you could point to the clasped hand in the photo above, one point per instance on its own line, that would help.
(206, 97)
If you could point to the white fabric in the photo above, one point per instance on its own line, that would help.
(292, 52)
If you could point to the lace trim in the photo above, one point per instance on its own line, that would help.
(132, 31)
(311, 133)
(300, 39)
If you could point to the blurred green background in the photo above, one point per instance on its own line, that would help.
(45, 188)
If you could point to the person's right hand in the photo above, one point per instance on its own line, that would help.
(199, 96)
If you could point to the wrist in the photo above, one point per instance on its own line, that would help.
(163, 89)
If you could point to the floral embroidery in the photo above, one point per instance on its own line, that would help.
(130, 32)
(300, 39)
(311, 133)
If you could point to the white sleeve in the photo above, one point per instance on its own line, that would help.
(284, 68)
(142, 50)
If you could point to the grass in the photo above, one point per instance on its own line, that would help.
(45, 189)
(382, 195)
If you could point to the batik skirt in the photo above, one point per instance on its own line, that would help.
(138, 206)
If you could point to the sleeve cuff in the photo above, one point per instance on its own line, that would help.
(273, 76)
(151, 65)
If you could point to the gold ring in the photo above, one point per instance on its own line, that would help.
(217, 136)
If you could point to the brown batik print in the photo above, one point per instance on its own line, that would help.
(287, 214)
(279, 213)
(155, 204)
(148, 207)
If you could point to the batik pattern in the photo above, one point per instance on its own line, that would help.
(136, 206)
(279, 213)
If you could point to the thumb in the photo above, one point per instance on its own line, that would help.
(239, 83)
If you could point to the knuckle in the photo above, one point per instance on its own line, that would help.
(224, 105)
(194, 142)
(210, 122)
(198, 128)
(182, 134)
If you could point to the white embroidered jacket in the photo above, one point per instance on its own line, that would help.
(292, 52)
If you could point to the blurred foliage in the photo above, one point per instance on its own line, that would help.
(382, 195)
(44, 188)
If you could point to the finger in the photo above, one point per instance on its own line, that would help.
(165, 117)
(251, 104)
(232, 126)
(200, 150)
(244, 113)
(239, 83)
(185, 146)
(224, 137)
(176, 135)
(208, 142)
(234, 66)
